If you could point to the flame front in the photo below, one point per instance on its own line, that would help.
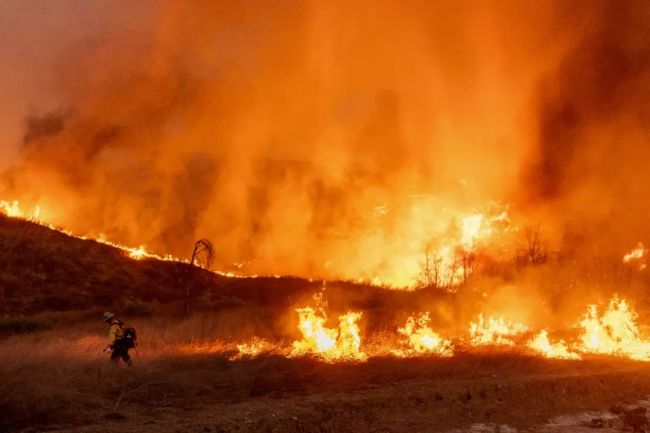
(613, 333)
(636, 256)
(494, 331)
(421, 339)
(13, 209)
(253, 348)
(330, 344)
(541, 344)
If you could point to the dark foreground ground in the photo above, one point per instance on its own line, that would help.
(51, 390)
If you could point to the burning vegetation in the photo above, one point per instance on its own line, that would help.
(615, 332)
(451, 179)
(310, 136)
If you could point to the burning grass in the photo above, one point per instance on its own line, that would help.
(54, 380)
(451, 263)
(614, 333)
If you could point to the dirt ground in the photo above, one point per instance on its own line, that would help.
(481, 405)
(472, 392)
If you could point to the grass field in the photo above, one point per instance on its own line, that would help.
(59, 380)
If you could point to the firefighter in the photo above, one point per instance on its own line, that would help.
(118, 345)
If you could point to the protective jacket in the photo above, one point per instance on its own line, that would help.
(115, 332)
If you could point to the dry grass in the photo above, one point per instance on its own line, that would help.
(57, 379)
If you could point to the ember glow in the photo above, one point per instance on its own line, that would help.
(637, 256)
(253, 348)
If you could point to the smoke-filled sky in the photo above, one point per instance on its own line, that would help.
(325, 137)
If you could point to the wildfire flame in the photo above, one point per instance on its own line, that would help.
(541, 344)
(253, 348)
(472, 229)
(12, 209)
(421, 339)
(494, 331)
(330, 344)
(613, 333)
(636, 255)
(449, 259)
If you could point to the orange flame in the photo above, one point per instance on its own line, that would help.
(330, 344)
(541, 344)
(613, 333)
(494, 331)
(421, 339)
(253, 348)
(12, 209)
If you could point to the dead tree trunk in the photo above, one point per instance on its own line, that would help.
(202, 256)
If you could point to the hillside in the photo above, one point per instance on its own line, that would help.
(45, 270)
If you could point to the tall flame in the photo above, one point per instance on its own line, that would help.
(330, 344)
(636, 255)
(470, 230)
(613, 333)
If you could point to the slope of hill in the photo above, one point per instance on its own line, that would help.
(43, 269)
(46, 270)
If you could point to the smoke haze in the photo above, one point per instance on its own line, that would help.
(325, 138)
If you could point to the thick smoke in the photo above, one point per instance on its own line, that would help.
(591, 152)
(339, 138)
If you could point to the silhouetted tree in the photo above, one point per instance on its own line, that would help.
(467, 263)
(430, 276)
(202, 256)
(535, 249)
